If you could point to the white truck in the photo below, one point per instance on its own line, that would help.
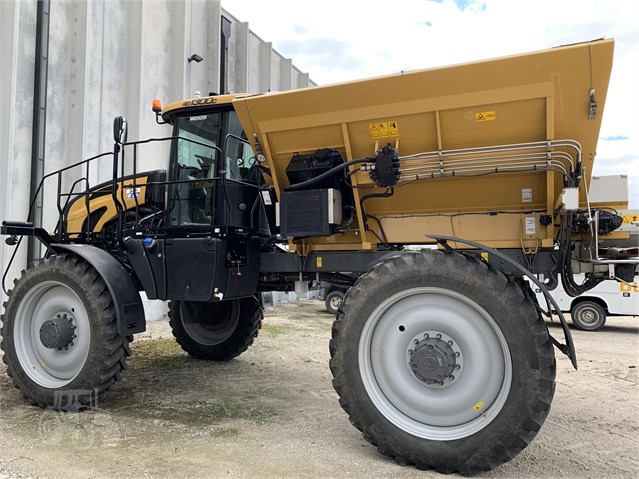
(589, 311)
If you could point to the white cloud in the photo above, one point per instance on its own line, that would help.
(377, 37)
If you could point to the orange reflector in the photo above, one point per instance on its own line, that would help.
(157, 106)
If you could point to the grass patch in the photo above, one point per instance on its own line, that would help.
(225, 432)
(189, 413)
(274, 330)
(154, 352)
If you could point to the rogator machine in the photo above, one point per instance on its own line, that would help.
(431, 194)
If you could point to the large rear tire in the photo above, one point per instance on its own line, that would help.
(216, 331)
(59, 335)
(442, 362)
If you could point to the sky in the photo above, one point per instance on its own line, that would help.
(341, 40)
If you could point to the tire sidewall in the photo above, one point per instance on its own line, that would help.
(437, 273)
(250, 314)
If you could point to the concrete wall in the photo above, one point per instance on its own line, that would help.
(109, 58)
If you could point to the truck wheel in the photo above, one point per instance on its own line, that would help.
(216, 331)
(442, 362)
(588, 316)
(333, 301)
(59, 335)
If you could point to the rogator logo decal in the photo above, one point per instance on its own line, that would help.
(200, 102)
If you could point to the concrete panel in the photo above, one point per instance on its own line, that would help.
(254, 71)
(286, 74)
(239, 58)
(265, 67)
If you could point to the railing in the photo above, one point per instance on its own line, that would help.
(123, 188)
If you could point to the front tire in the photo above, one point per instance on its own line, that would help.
(217, 331)
(588, 316)
(59, 335)
(442, 362)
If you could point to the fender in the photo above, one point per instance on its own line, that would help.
(569, 348)
(126, 299)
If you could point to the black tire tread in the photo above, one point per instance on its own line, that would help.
(247, 330)
(501, 452)
(102, 369)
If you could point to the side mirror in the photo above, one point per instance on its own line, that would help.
(119, 129)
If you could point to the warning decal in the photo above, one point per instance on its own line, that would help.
(485, 116)
(383, 129)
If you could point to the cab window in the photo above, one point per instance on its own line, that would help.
(195, 157)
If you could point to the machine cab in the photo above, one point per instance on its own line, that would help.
(214, 178)
(215, 218)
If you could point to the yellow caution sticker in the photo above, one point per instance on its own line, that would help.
(485, 116)
(484, 256)
(318, 262)
(630, 219)
(479, 405)
(384, 129)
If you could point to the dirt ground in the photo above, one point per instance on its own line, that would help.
(272, 413)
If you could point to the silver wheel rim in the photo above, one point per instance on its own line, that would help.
(588, 316)
(212, 334)
(457, 408)
(51, 368)
(335, 302)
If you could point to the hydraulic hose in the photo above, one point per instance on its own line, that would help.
(326, 174)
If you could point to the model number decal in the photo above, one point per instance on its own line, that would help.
(200, 101)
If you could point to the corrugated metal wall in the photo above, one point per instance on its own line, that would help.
(109, 58)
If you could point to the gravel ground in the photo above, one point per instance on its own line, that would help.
(272, 413)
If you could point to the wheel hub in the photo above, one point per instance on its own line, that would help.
(434, 359)
(58, 332)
